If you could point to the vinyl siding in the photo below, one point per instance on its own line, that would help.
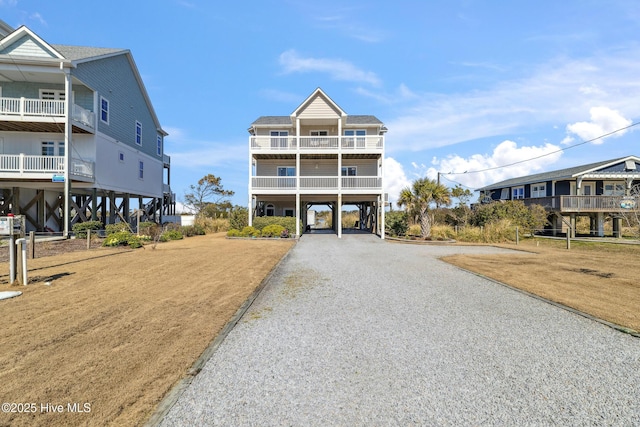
(114, 79)
(366, 167)
(26, 46)
(318, 108)
(82, 95)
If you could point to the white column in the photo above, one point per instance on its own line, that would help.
(250, 184)
(298, 214)
(68, 140)
(600, 224)
(339, 222)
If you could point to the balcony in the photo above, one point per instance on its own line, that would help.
(370, 143)
(319, 184)
(22, 166)
(581, 204)
(41, 115)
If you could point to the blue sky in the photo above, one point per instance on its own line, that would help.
(462, 85)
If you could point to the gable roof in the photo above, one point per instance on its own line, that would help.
(318, 93)
(25, 45)
(568, 173)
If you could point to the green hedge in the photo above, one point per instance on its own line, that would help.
(80, 229)
(287, 222)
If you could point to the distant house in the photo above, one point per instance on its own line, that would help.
(317, 155)
(597, 191)
(78, 135)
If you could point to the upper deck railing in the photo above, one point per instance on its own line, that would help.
(27, 166)
(41, 109)
(575, 204)
(309, 143)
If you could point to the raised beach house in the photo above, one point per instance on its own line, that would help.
(598, 191)
(78, 135)
(318, 155)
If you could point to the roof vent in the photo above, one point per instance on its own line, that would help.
(629, 165)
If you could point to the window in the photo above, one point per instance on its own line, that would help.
(140, 169)
(539, 190)
(121, 156)
(349, 171)
(614, 189)
(504, 194)
(270, 210)
(517, 193)
(286, 171)
(138, 133)
(279, 138)
(52, 95)
(288, 212)
(104, 110)
(355, 142)
(49, 148)
(159, 146)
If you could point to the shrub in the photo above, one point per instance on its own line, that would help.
(193, 230)
(414, 230)
(148, 228)
(442, 232)
(238, 217)
(396, 223)
(171, 235)
(273, 230)
(287, 222)
(122, 238)
(211, 225)
(250, 231)
(234, 233)
(117, 227)
(80, 229)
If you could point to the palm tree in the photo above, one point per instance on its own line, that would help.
(418, 199)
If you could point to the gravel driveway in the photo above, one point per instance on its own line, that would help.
(360, 332)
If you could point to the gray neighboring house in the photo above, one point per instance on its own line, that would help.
(318, 155)
(598, 191)
(78, 135)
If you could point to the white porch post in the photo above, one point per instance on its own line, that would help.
(382, 204)
(298, 214)
(339, 222)
(600, 224)
(67, 151)
(250, 184)
(298, 177)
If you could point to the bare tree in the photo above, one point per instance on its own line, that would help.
(208, 191)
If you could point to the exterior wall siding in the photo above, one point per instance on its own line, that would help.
(365, 167)
(122, 176)
(114, 79)
(319, 109)
(25, 46)
(82, 95)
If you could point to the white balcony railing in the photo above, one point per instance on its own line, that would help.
(288, 184)
(23, 108)
(22, 165)
(280, 143)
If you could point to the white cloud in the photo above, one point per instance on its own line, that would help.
(336, 68)
(463, 170)
(603, 121)
(554, 93)
(394, 178)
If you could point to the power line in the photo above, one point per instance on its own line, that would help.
(546, 154)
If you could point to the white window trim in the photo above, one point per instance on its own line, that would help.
(284, 211)
(138, 126)
(513, 192)
(59, 94)
(121, 156)
(285, 167)
(614, 184)
(537, 194)
(102, 98)
(269, 206)
(346, 169)
(159, 145)
(319, 133)
(140, 170)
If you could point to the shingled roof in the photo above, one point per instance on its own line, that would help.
(77, 53)
(548, 176)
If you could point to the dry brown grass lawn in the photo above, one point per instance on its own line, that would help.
(598, 279)
(116, 329)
